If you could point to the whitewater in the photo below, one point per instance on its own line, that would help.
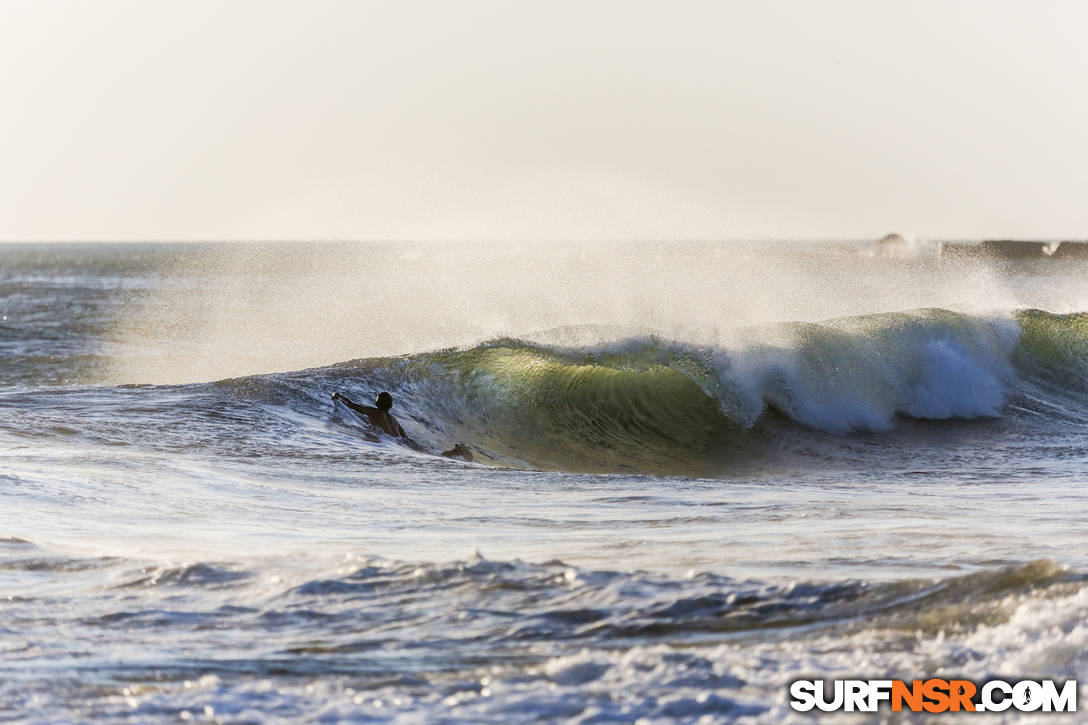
(702, 471)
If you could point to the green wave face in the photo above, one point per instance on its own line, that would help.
(602, 415)
(1054, 349)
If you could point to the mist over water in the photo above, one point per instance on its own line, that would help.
(234, 309)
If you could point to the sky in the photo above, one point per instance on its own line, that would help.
(584, 120)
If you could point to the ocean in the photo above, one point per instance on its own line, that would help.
(702, 472)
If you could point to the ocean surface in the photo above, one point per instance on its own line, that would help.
(702, 471)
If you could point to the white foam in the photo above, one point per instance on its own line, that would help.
(860, 373)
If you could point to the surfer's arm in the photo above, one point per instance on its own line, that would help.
(366, 410)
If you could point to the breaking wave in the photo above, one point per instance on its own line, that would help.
(644, 403)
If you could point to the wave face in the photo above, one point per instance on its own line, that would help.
(647, 404)
(1054, 351)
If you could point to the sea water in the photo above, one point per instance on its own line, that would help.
(702, 471)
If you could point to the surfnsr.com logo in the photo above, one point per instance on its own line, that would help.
(934, 695)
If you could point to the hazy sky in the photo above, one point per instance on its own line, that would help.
(158, 119)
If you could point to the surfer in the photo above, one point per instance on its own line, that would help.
(380, 417)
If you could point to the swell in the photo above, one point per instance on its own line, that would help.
(521, 601)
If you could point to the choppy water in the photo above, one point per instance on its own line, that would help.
(678, 506)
